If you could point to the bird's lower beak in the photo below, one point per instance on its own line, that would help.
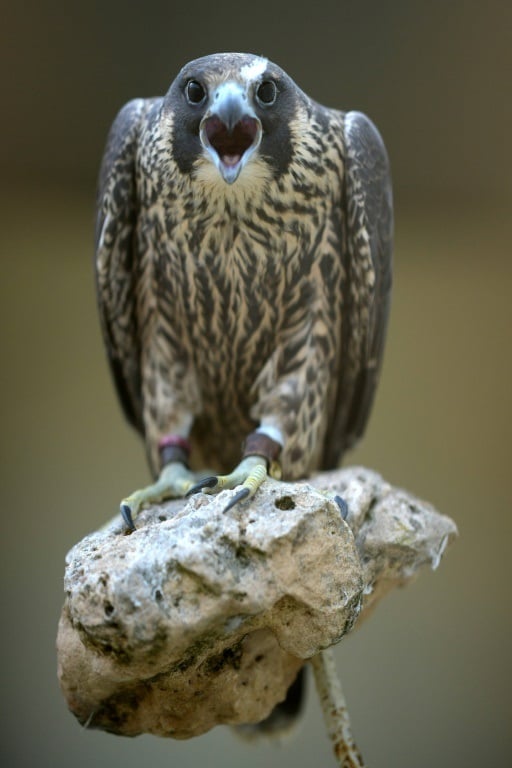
(230, 132)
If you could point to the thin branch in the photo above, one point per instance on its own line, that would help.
(334, 708)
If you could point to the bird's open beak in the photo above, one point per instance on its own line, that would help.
(230, 131)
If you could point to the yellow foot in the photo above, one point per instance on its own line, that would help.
(249, 475)
(174, 481)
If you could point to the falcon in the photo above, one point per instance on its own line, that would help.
(243, 271)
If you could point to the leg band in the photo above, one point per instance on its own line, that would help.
(174, 448)
(259, 444)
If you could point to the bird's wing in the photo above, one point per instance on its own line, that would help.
(368, 214)
(116, 262)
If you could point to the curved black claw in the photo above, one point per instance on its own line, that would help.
(342, 504)
(242, 494)
(206, 482)
(126, 514)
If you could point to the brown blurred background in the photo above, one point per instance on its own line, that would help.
(428, 677)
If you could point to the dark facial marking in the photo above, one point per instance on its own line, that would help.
(186, 100)
(276, 114)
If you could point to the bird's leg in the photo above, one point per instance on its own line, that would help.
(259, 460)
(174, 480)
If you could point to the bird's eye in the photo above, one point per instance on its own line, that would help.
(195, 92)
(266, 92)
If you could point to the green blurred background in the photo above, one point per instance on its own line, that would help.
(428, 677)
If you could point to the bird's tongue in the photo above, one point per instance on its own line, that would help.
(230, 160)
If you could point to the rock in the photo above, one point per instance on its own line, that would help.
(395, 532)
(201, 618)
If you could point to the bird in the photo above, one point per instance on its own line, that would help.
(243, 266)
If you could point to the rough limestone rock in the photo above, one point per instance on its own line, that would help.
(202, 617)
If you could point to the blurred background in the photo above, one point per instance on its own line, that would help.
(428, 676)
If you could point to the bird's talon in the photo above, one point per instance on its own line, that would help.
(126, 514)
(206, 482)
(342, 504)
(242, 494)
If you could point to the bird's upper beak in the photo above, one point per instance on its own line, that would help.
(230, 131)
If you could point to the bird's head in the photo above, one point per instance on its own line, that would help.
(232, 111)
